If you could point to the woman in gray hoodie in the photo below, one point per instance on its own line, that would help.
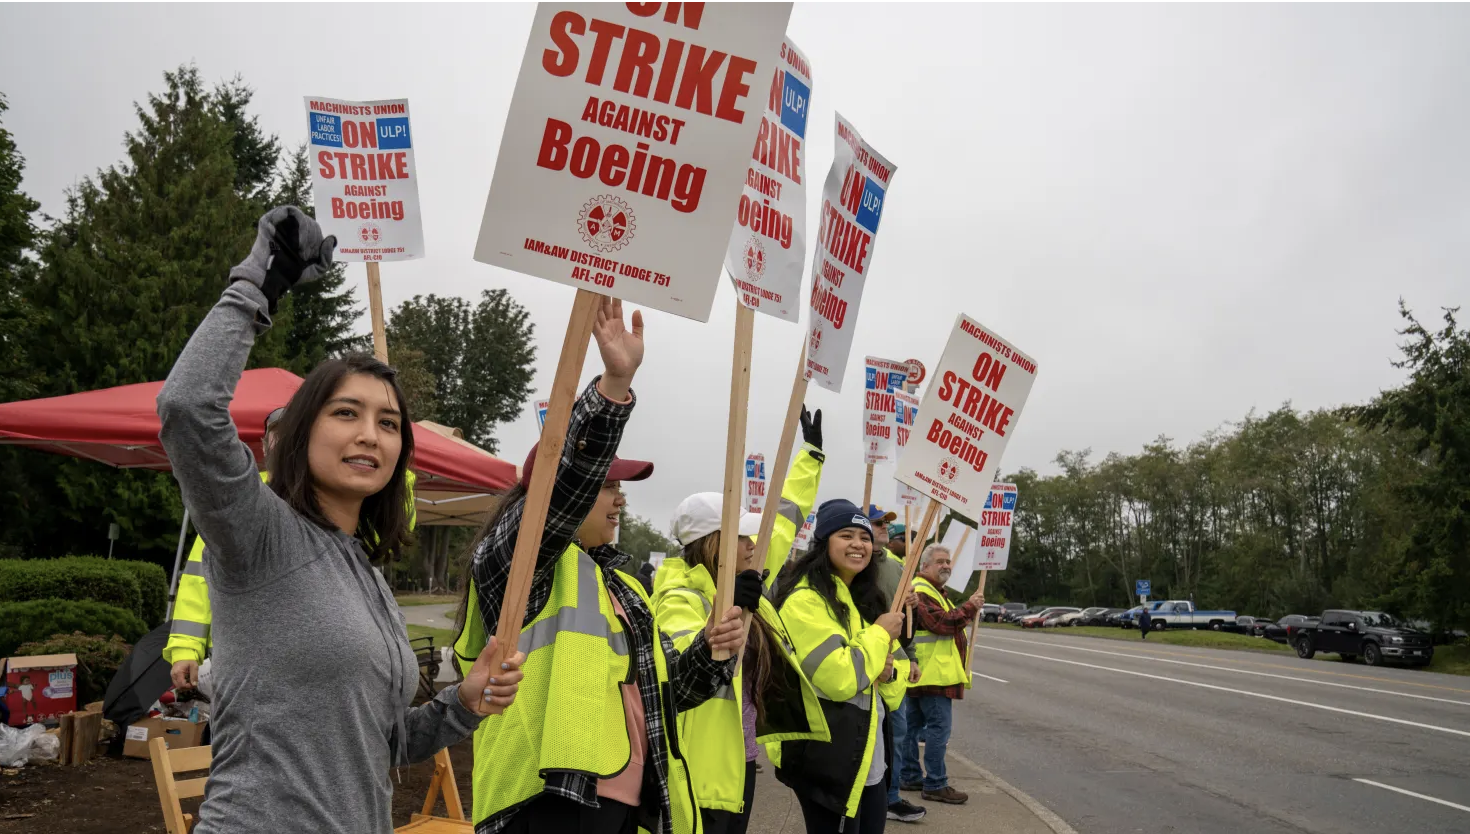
(315, 674)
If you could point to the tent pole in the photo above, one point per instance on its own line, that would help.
(173, 588)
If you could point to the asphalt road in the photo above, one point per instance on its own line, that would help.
(1118, 737)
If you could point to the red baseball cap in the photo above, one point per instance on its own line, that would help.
(622, 469)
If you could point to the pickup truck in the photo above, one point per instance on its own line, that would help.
(1180, 613)
(1372, 634)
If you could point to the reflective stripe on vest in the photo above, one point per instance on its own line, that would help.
(940, 662)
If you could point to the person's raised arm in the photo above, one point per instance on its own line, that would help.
(215, 470)
(798, 494)
(593, 434)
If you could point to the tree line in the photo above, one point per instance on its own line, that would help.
(1288, 512)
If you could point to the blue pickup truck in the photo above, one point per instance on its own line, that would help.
(1180, 613)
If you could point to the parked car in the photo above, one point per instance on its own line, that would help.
(1129, 618)
(1076, 617)
(1047, 616)
(989, 612)
(1252, 626)
(1011, 611)
(1181, 613)
(1374, 635)
(1029, 612)
(1280, 631)
(1103, 617)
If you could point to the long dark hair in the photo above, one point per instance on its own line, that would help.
(509, 500)
(816, 567)
(382, 523)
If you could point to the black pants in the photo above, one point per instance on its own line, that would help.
(551, 813)
(872, 813)
(728, 822)
(1145, 629)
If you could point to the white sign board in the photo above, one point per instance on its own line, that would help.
(882, 376)
(539, 409)
(755, 483)
(852, 204)
(906, 409)
(363, 178)
(908, 497)
(627, 144)
(804, 535)
(993, 549)
(767, 251)
(964, 558)
(969, 413)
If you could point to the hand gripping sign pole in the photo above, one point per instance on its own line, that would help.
(734, 469)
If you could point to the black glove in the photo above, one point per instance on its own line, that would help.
(748, 587)
(811, 427)
(289, 249)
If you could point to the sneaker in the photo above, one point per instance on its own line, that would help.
(905, 811)
(947, 795)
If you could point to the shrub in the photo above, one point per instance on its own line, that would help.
(152, 585)
(25, 622)
(98, 659)
(80, 578)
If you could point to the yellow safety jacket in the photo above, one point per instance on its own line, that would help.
(568, 712)
(940, 663)
(843, 661)
(188, 632)
(713, 734)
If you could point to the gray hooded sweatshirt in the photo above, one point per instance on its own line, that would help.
(313, 670)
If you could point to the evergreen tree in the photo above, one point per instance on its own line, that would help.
(18, 236)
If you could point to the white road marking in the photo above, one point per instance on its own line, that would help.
(1241, 671)
(1325, 707)
(987, 677)
(1415, 795)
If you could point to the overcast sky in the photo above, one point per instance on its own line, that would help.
(1181, 212)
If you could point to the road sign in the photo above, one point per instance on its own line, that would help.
(1141, 587)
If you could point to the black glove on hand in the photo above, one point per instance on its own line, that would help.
(748, 586)
(289, 249)
(811, 427)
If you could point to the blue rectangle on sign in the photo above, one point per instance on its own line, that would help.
(796, 99)
(393, 134)
(1141, 587)
(750, 469)
(871, 382)
(1009, 502)
(325, 129)
(871, 208)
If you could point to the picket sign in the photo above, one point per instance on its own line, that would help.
(911, 558)
(580, 198)
(734, 469)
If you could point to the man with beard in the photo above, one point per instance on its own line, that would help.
(939, 643)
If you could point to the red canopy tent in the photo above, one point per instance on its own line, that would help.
(119, 427)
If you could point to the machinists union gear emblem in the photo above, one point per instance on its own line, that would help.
(369, 233)
(754, 257)
(816, 339)
(949, 468)
(606, 223)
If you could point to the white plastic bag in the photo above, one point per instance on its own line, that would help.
(15, 745)
(45, 748)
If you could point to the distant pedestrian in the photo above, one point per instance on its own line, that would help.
(1145, 622)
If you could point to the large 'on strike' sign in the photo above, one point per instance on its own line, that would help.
(627, 145)
(972, 408)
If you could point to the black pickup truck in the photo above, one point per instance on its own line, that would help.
(1373, 635)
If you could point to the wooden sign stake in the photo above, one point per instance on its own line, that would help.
(734, 466)
(975, 626)
(375, 304)
(783, 453)
(868, 490)
(911, 559)
(543, 477)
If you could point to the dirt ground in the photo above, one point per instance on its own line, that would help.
(117, 796)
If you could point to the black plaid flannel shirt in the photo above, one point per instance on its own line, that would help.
(593, 434)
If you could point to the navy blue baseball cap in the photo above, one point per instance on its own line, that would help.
(839, 514)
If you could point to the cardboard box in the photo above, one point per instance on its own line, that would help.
(40, 688)
(176, 733)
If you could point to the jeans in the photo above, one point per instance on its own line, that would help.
(898, 720)
(928, 718)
